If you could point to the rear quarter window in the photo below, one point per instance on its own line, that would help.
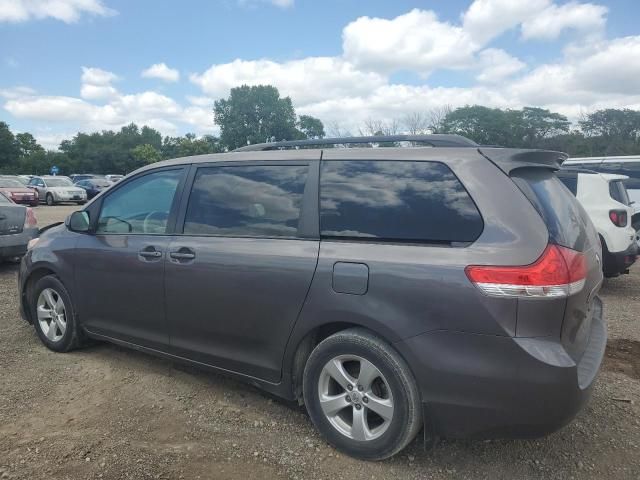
(565, 218)
(618, 192)
(398, 201)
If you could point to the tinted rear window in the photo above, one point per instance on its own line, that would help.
(570, 181)
(396, 201)
(565, 218)
(618, 192)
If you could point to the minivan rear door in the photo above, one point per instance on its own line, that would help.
(240, 265)
(569, 226)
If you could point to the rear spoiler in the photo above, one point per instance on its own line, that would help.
(509, 159)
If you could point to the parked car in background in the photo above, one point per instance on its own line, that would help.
(387, 289)
(24, 179)
(18, 225)
(622, 165)
(94, 186)
(13, 188)
(114, 178)
(58, 189)
(605, 199)
(75, 178)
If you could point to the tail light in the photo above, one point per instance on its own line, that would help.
(30, 220)
(559, 272)
(618, 217)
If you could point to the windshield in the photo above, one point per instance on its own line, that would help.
(58, 182)
(4, 200)
(10, 183)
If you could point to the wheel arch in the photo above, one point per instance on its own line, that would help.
(37, 272)
(305, 342)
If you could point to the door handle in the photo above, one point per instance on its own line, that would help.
(150, 253)
(182, 255)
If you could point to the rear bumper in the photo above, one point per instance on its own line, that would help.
(616, 263)
(16, 245)
(491, 386)
(31, 201)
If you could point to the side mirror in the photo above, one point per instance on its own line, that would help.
(78, 222)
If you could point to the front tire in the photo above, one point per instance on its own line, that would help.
(50, 200)
(361, 395)
(53, 315)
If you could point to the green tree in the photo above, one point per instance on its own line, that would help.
(173, 147)
(486, 126)
(145, 154)
(524, 128)
(253, 115)
(9, 151)
(539, 123)
(27, 144)
(310, 127)
(612, 131)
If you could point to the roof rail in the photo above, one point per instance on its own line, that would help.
(435, 140)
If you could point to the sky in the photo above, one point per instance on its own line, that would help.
(89, 65)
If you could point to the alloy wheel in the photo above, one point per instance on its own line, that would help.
(355, 397)
(52, 315)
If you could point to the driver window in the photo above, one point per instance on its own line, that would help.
(141, 206)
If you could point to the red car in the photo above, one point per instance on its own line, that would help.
(19, 193)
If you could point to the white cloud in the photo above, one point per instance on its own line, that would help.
(550, 22)
(96, 84)
(50, 108)
(68, 11)
(97, 76)
(496, 65)
(610, 72)
(589, 73)
(414, 41)
(144, 108)
(200, 101)
(17, 92)
(308, 80)
(162, 72)
(487, 19)
(97, 92)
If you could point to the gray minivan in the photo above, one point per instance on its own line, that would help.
(451, 287)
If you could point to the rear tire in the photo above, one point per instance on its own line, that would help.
(372, 410)
(49, 199)
(53, 315)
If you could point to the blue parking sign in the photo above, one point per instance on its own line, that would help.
(54, 170)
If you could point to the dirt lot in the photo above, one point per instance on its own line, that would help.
(105, 412)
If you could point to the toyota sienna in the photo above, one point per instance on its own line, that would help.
(450, 287)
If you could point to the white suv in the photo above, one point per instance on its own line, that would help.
(605, 199)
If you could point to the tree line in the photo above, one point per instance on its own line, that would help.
(254, 114)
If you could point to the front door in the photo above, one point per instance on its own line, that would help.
(238, 276)
(120, 268)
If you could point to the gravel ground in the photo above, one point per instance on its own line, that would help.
(105, 412)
